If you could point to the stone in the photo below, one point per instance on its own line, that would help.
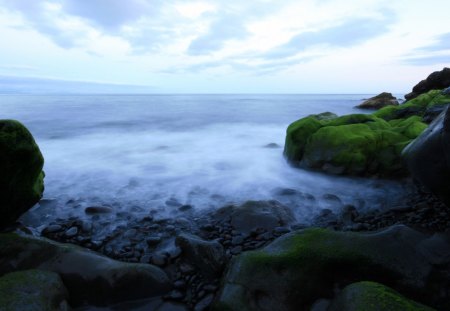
(435, 81)
(71, 232)
(207, 256)
(253, 215)
(428, 157)
(32, 290)
(371, 296)
(297, 269)
(153, 241)
(381, 100)
(88, 276)
(21, 178)
(91, 210)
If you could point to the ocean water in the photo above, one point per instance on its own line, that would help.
(154, 152)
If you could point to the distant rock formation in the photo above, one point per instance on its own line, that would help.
(377, 102)
(436, 81)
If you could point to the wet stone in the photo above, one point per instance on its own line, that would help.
(73, 231)
(158, 260)
(184, 208)
(281, 230)
(179, 284)
(98, 210)
(53, 228)
(236, 250)
(204, 304)
(152, 241)
(237, 240)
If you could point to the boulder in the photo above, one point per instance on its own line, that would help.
(21, 178)
(299, 268)
(32, 290)
(428, 157)
(423, 106)
(88, 276)
(435, 81)
(355, 144)
(381, 100)
(253, 215)
(207, 256)
(371, 296)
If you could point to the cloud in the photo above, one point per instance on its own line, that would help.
(222, 29)
(349, 33)
(442, 42)
(428, 60)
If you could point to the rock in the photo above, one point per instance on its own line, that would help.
(428, 157)
(301, 267)
(371, 296)
(251, 215)
(272, 146)
(435, 81)
(204, 304)
(381, 100)
(207, 256)
(88, 276)
(356, 144)
(21, 178)
(91, 210)
(70, 233)
(32, 290)
(423, 106)
(153, 241)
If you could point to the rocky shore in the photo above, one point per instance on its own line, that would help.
(256, 255)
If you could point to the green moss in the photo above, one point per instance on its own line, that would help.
(21, 162)
(371, 296)
(31, 290)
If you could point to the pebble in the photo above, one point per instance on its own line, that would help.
(98, 210)
(204, 304)
(158, 260)
(281, 230)
(73, 231)
(237, 240)
(53, 228)
(152, 241)
(236, 250)
(184, 208)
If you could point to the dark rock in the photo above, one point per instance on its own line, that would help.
(88, 276)
(21, 177)
(207, 256)
(272, 146)
(237, 240)
(159, 260)
(428, 157)
(236, 250)
(184, 208)
(204, 304)
(153, 241)
(91, 210)
(32, 290)
(176, 295)
(313, 261)
(381, 100)
(53, 229)
(252, 215)
(173, 203)
(435, 81)
(281, 230)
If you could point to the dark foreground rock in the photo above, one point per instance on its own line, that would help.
(32, 290)
(435, 81)
(88, 276)
(377, 102)
(428, 157)
(21, 177)
(371, 296)
(299, 268)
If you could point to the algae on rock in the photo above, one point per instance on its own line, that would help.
(21, 178)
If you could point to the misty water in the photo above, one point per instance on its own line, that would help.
(140, 153)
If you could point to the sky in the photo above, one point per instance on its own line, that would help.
(225, 46)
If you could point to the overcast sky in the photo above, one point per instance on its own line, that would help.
(228, 46)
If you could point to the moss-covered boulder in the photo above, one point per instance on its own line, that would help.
(297, 269)
(371, 296)
(88, 276)
(436, 80)
(419, 106)
(32, 290)
(356, 144)
(21, 178)
(362, 144)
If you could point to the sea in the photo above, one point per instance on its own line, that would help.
(140, 153)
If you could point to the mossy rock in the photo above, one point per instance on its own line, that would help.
(371, 296)
(21, 178)
(88, 276)
(32, 290)
(297, 269)
(360, 144)
(415, 107)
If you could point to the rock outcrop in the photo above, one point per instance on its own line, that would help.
(435, 81)
(428, 157)
(377, 102)
(299, 268)
(21, 177)
(88, 276)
